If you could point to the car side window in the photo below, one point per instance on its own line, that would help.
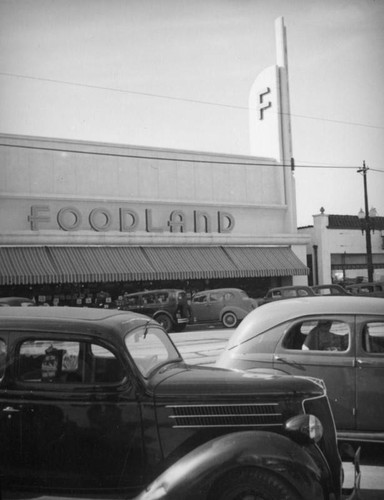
(131, 302)
(373, 337)
(318, 335)
(66, 362)
(3, 355)
(216, 297)
(162, 298)
(199, 299)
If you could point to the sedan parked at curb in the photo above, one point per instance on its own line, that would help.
(285, 292)
(331, 289)
(337, 339)
(374, 289)
(226, 305)
(16, 302)
(167, 306)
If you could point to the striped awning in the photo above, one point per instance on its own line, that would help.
(26, 266)
(91, 264)
(191, 262)
(266, 261)
(100, 264)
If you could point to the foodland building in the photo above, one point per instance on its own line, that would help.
(80, 218)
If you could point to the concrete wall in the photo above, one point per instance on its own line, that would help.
(44, 181)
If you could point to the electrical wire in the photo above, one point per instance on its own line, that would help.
(183, 160)
(181, 99)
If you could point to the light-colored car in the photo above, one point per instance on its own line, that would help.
(373, 289)
(331, 289)
(16, 302)
(285, 292)
(226, 305)
(347, 353)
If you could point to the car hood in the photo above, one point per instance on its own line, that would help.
(190, 381)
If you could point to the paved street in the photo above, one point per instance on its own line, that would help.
(203, 345)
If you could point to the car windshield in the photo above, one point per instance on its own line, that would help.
(150, 348)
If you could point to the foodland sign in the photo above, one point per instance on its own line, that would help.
(100, 219)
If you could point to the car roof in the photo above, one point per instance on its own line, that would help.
(272, 314)
(79, 318)
(220, 290)
(329, 285)
(366, 283)
(291, 287)
(159, 290)
(15, 300)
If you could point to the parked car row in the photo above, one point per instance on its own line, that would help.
(229, 306)
(290, 292)
(173, 311)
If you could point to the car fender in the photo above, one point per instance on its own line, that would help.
(240, 313)
(162, 311)
(193, 476)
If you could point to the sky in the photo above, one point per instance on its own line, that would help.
(177, 74)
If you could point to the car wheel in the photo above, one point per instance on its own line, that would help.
(165, 321)
(252, 484)
(229, 319)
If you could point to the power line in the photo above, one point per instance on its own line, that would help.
(182, 160)
(181, 99)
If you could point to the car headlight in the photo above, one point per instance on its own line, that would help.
(305, 428)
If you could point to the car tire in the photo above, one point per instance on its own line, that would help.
(165, 321)
(229, 320)
(252, 483)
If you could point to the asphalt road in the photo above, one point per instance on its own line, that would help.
(202, 345)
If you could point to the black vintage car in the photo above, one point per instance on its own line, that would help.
(167, 306)
(101, 401)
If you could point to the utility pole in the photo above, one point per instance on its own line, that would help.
(366, 224)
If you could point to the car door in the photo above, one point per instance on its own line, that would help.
(10, 438)
(336, 366)
(71, 410)
(149, 304)
(216, 303)
(201, 308)
(370, 374)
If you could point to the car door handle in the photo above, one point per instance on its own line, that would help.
(10, 409)
(362, 362)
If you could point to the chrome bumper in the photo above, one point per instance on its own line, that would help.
(354, 492)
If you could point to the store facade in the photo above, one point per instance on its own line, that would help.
(80, 221)
(79, 216)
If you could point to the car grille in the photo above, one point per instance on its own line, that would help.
(237, 415)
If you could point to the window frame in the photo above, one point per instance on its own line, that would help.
(64, 386)
(343, 319)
